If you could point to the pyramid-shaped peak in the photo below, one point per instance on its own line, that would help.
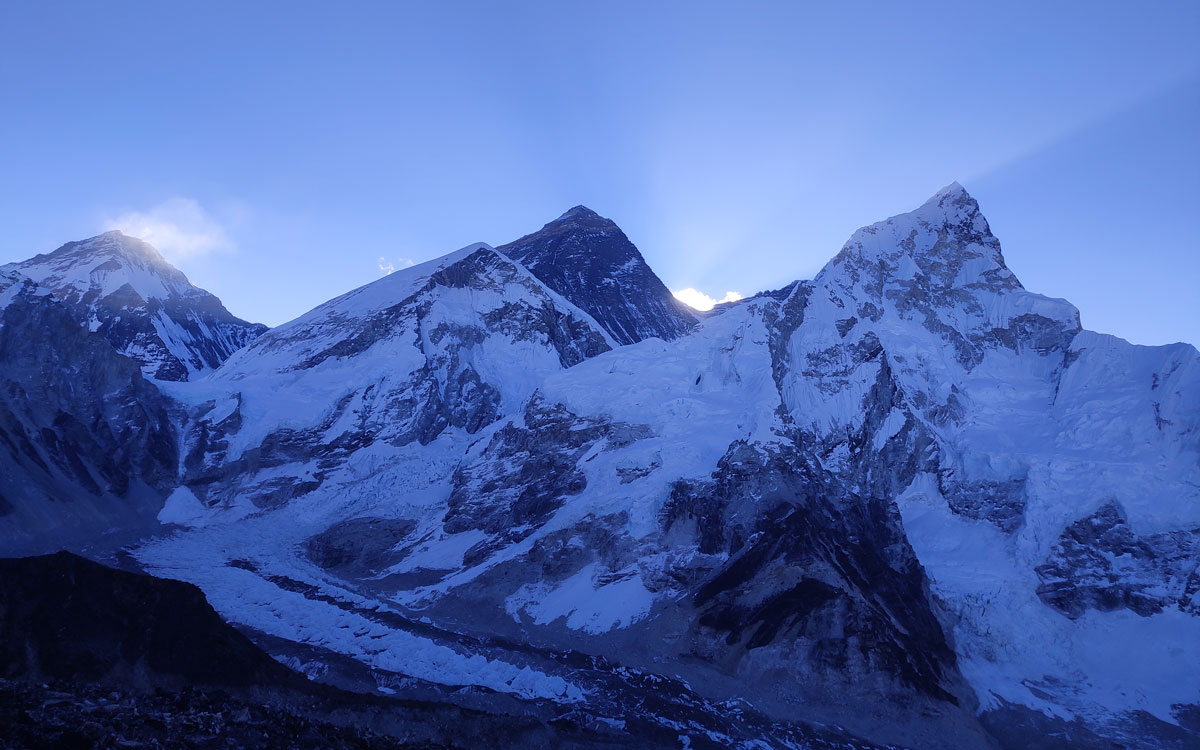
(946, 242)
(954, 189)
(113, 254)
(581, 217)
(952, 204)
(588, 260)
(580, 212)
(124, 290)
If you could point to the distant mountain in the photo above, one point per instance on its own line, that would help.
(88, 443)
(146, 308)
(589, 260)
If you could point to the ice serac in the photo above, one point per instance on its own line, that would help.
(123, 289)
(589, 260)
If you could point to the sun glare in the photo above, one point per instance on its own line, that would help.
(700, 301)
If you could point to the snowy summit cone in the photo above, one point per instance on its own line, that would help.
(943, 245)
(589, 260)
(123, 289)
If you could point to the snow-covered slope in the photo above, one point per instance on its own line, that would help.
(589, 260)
(122, 288)
(427, 355)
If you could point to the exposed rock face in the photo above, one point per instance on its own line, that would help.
(363, 543)
(589, 260)
(1100, 563)
(527, 472)
(86, 444)
(800, 560)
(121, 288)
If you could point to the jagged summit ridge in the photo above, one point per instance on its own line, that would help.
(454, 344)
(940, 265)
(588, 260)
(122, 288)
(948, 230)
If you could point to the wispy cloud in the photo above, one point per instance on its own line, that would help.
(391, 266)
(701, 301)
(179, 227)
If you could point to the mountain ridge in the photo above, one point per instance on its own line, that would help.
(924, 488)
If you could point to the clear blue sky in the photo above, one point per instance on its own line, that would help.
(294, 145)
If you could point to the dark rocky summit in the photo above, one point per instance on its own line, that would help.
(589, 260)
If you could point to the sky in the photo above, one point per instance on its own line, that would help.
(283, 153)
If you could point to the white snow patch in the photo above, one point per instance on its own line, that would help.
(183, 507)
(586, 606)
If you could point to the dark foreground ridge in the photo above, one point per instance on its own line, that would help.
(66, 618)
(64, 716)
(91, 656)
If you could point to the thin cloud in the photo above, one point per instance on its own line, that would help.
(179, 227)
(391, 266)
(701, 301)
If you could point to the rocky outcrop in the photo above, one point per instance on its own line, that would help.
(1100, 563)
(527, 472)
(820, 577)
(364, 544)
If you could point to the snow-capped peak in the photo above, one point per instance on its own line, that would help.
(101, 265)
(122, 288)
(944, 244)
(954, 205)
